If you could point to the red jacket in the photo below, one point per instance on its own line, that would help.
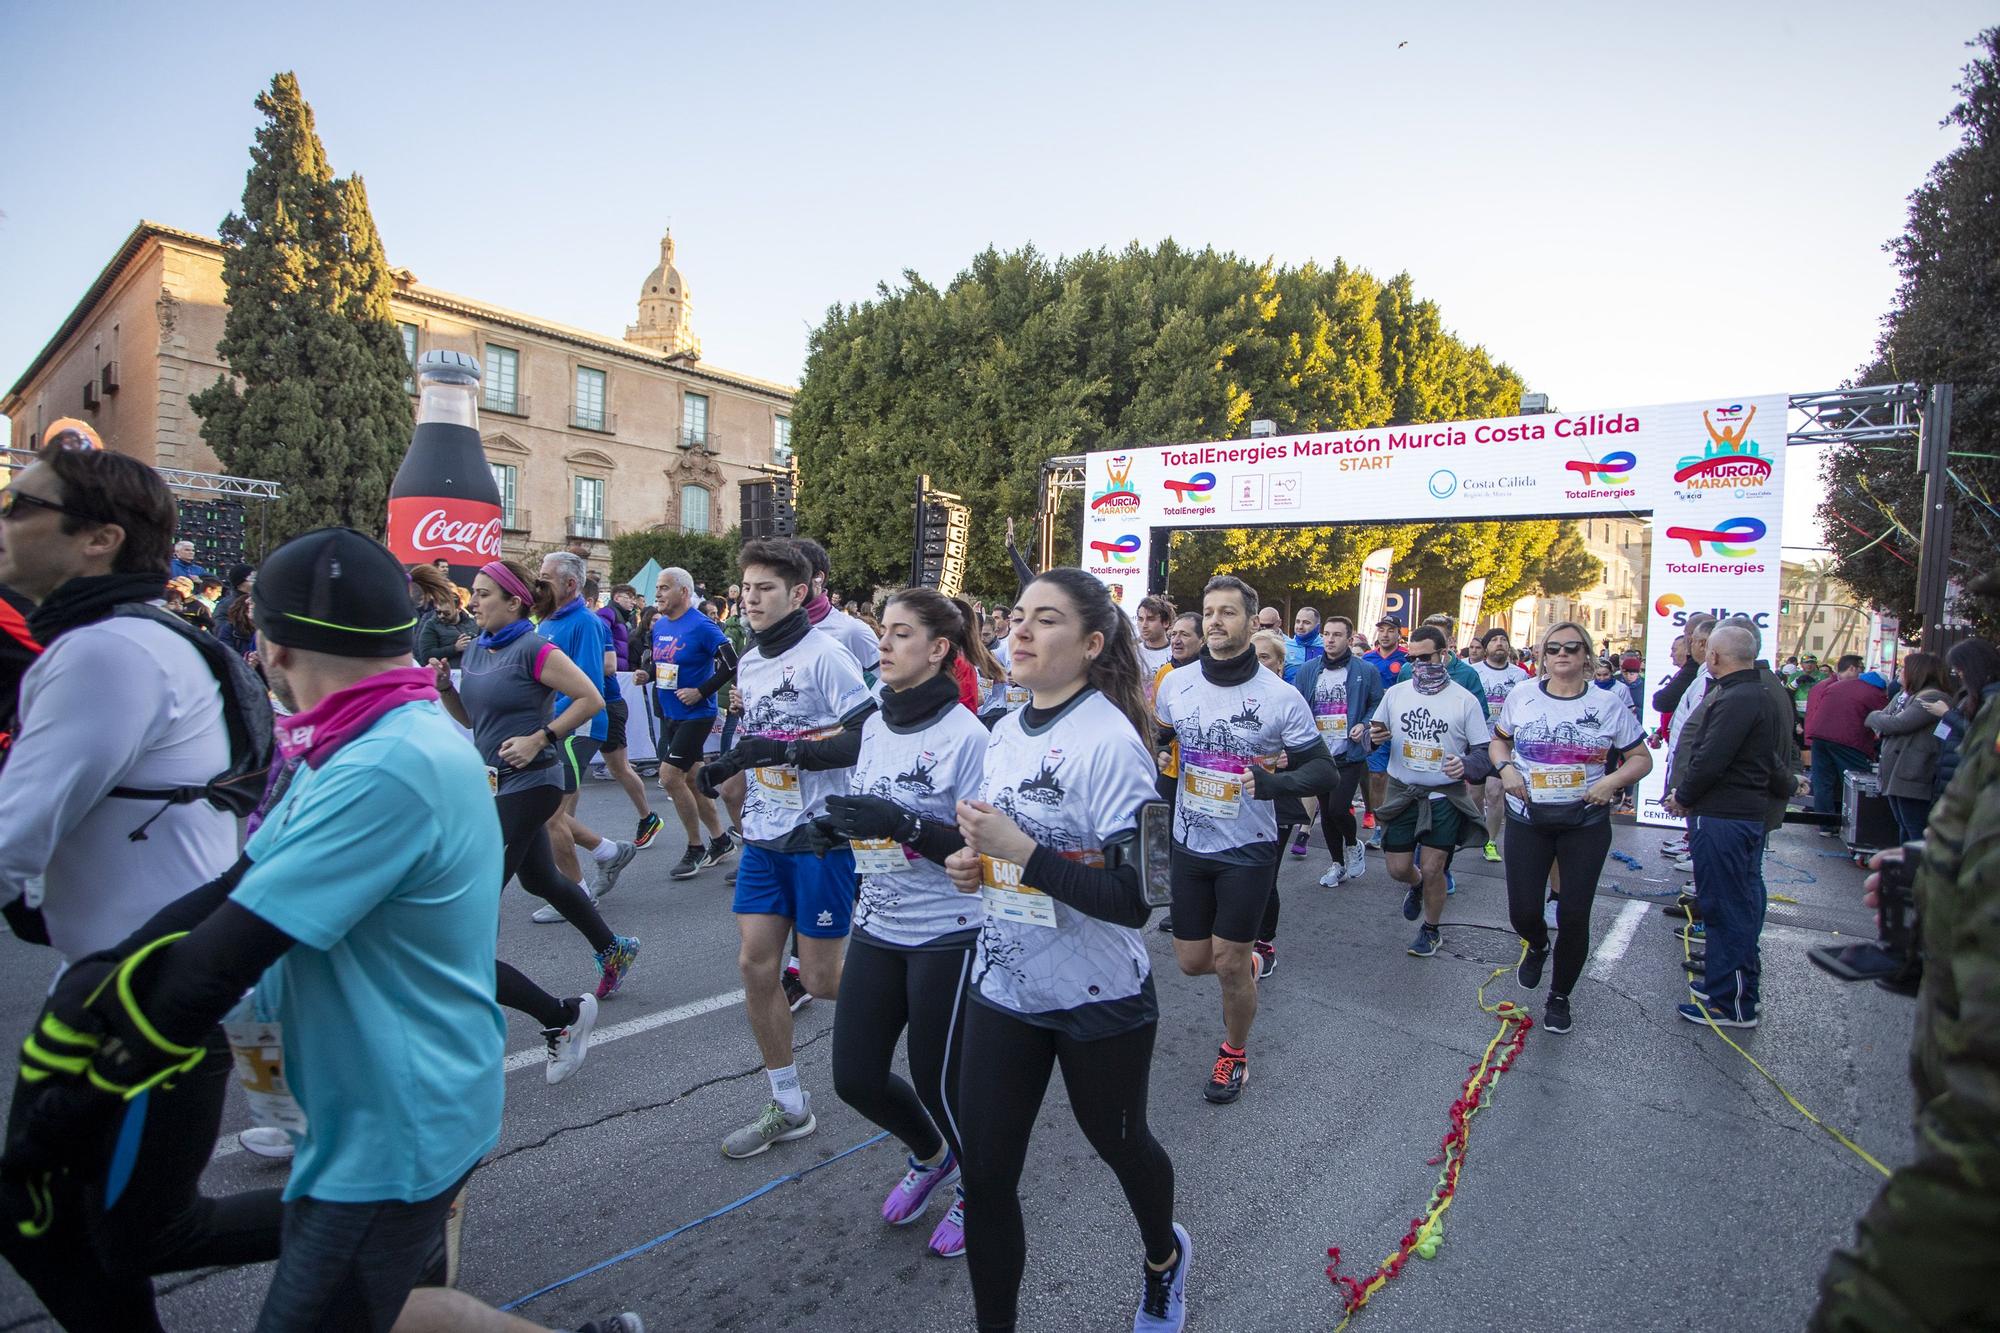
(968, 682)
(1837, 710)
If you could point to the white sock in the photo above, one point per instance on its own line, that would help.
(605, 850)
(793, 965)
(785, 1089)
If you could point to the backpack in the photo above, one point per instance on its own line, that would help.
(246, 716)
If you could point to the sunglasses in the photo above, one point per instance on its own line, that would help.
(1565, 648)
(1422, 657)
(12, 501)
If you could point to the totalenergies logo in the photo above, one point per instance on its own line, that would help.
(1195, 488)
(1735, 538)
(1123, 551)
(1731, 457)
(1120, 496)
(1605, 468)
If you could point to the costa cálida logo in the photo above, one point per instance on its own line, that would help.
(424, 528)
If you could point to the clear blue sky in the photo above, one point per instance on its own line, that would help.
(1627, 206)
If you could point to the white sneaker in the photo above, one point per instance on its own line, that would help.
(1684, 862)
(269, 1142)
(1357, 862)
(1332, 877)
(548, 915)
(1549, 913)
(568, 1045)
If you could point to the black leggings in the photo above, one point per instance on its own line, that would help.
(1529, 851)
(1336, 809)
(1005, 1076)
(524, 817)
(91, 1268)
(883, 991)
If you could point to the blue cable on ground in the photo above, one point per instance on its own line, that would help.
(723, 1211)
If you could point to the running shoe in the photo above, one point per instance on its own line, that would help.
(692, 860)
(1357, 862)
(774, 1124)
(796, 994)
(1167, 924)
(1685, 907)
(616, 1323)
(649, 828)
(567, 1045)
(1701, 1013)
(1266, 954)
(547, 914)
(1549, 914)
(1555, 1018)
(614, 961)
(1684, 862)
(1694, 932)
(1413, 902)
(1368, 820)
(719, 848)
(1226, 1079)
(1299, 844)
(1163, 1302)
(609, 871)
(1375, 839)
(1529, 971)
(1678, 847)
(269, 1142)
(1492, 852)
(1450, 883)
(1695, 961)
(905, 1203)
(948, 1240)
(1427, 942)
(1334, 874)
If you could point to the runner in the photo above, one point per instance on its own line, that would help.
(1156, 618)
(1498, 674)
(1565, 750)
(913, 934)
(1291, 814)
(1236, 722)
(1390, 662)
(692, 660)
(829, 619)
(798, 686)
(568, 624)
(1062, 975)
(1343, 691)
(1184, 640)
(1429, 725)
(618, 712)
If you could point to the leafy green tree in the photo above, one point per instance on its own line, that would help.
(1023, 357)
(315, 396)
(1944, 328)
(711, 559)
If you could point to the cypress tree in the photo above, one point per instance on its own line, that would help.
(315, 400)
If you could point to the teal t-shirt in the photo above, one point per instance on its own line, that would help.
(385, 866)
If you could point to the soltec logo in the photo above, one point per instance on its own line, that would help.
(1123, 551)
(1120, 496)
(1736, 538)
(1195, 488)
(1611, 465)
(1668, 604)
(1674, 608)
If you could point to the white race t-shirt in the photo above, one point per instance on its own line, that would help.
(1012, 696)
(1224, 730)
(1498, 682)
(1562, 745)
(1072, 784)
(852, 635)
(1329, 708)
(909, 902)
(1427, 729)
(801, 694)
(1152, 659)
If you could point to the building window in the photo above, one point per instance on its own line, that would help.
(1819, 643)
(507, 477)
(694, 421)
(586, 507)
(503, 379)
(781, 438)
(589, 399)
(410, 355)
(694, 509)
(1602, 618)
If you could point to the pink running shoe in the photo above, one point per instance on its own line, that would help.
(948, 1241)
(906, 1202)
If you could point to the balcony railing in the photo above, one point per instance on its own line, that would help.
(590, 527)
(606, 422)
(517, 520)
(705, 440)
(516, 406)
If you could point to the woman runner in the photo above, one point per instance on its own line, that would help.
(1564, 750)
(1061, 975)
(911, 949)
(506, 682)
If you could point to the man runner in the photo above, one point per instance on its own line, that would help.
(1156, 615)
(692, 661)
(1343, 691)
(1498, 674)
(1389, 661)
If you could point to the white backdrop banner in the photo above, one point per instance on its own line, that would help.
(1710, 474)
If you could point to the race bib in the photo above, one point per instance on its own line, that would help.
(1009, 899)
(1212, 791)
(493, 780)
(1421, 758)
(879, 856)
(1018, 695)
(259, 1049)
(780, 786)
(1333, 726)
(670, 675)
(1556, 782)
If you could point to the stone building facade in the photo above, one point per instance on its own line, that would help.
(590, 436)
(1614, 609)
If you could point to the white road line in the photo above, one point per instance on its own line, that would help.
(535, 1055)
(1618, 939)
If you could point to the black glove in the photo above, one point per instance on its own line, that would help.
(851, 817)
(708, 779)
(753, 751)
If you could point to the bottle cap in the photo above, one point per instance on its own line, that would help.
(448, 366)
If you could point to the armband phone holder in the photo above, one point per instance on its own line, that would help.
(1156, 831)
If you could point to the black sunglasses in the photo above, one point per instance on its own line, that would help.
(1571, 646)
(12, 500)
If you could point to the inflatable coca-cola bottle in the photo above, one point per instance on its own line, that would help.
(444, 503)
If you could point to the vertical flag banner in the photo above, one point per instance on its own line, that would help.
(1374, 589)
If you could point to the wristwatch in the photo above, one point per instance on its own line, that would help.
(550, 732)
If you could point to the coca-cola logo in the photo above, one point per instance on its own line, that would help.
(438, 531)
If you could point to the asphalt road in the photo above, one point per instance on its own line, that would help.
(1634, 1174)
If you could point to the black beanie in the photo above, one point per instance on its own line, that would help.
(335, 591)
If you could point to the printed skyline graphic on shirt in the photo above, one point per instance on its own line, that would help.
(1226, 745)
(1576, 741)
